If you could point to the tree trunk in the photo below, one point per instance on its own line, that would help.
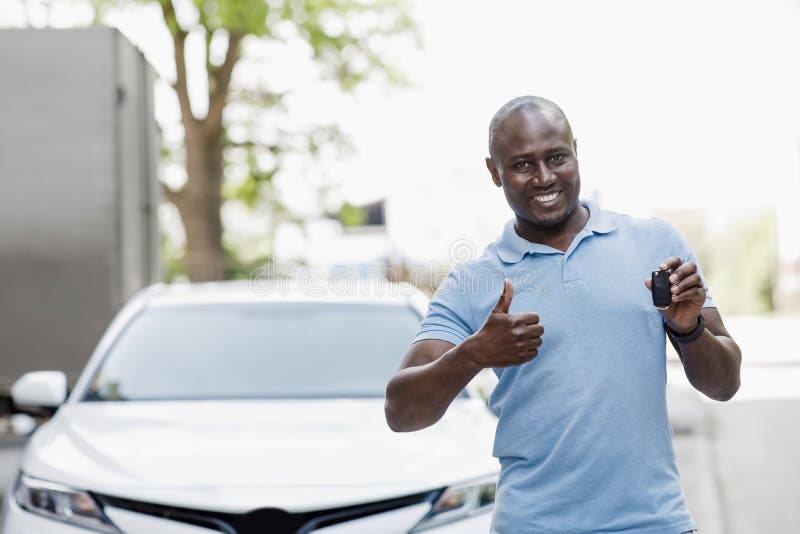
(199, 204)
(200, 199)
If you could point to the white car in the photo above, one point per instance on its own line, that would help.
(212, 408)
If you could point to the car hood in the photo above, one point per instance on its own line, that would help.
(236, 456)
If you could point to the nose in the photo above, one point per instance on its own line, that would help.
(542, 175)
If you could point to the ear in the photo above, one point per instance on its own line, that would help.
(494, 172)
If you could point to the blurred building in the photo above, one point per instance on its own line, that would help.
(78, 229)
(355, 237)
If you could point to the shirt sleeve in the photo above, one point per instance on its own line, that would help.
(684, 252)
(449, 316)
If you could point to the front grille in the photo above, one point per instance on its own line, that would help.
(268, 520)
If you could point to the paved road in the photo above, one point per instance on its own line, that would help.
(10, 452)
(693, 449)
(756, 452)
(740, 460)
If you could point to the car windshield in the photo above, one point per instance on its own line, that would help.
(261, 350)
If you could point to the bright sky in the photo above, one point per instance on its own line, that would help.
(675, 105)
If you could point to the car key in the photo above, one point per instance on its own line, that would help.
(659, 285)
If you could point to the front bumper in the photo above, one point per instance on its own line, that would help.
(18, 521)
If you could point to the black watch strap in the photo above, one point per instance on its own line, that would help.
(691, 336)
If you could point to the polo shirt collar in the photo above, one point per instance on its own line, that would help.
(512, 248)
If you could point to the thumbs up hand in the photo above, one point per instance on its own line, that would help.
(505, 339)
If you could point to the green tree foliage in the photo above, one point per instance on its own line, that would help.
(240, 134)
(351, 215)
(738, 260)
(744, 258)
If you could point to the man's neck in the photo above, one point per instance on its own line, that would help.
(559, 237)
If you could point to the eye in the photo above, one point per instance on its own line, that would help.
(556, 158)
(522, 164)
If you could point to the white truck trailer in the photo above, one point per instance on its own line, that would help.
(78, 193)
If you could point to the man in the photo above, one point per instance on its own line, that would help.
(583, 437)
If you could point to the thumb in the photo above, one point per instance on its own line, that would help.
(505, 299)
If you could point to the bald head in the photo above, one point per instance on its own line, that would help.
(524, 104)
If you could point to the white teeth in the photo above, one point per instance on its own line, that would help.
(547, 198)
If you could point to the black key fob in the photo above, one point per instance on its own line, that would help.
(659, 285)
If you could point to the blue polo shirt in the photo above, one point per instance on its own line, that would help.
(583, 437)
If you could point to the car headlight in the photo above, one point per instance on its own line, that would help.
(459, 502)
(61, 503)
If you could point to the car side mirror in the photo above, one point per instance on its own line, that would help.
(40, 392)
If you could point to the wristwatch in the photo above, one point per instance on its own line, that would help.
(691, 336)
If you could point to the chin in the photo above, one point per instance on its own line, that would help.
(554, 217)
(549, 219)
(554, 221)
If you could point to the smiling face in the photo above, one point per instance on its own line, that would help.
(534, 160)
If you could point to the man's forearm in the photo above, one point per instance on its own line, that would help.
(712, 364)
(418, 396)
